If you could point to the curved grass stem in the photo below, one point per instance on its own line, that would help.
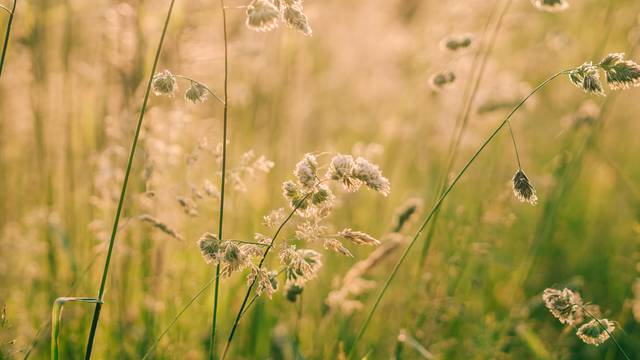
(5, 45)
(437, 205)
(105, 271)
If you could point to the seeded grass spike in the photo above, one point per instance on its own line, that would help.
(595, 332)
(262, 15)
(523, 189)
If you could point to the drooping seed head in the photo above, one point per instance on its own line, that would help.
(196, 93)
(440, 80)
(358, 237)
(371, 176)
(295, 18)
(457, 41)
(262, 15)
(551, 5)
(336, 245)
(594, 332)
(305, 171)
(341, 169)
(322, 196)
(164, 83)
(293, 193)
(210, 249)
(523, 189)
(563, 304)
(620, 73)
(587, 78)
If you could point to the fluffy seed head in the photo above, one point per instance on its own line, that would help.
(371, 176)
(210, 249)
(234, 258)
(551, 5)
(563, 304)
(164, 83)
(341, 169)
(300, 265)
(620, 73)
(266, 281)
(306, 170)
(262, 15)
(335, 245)
(587, 78)
(295, 18)
(322, 196)
(196, 93)
(523, 189)
(358, 237)
(594, 332)
(293, 193)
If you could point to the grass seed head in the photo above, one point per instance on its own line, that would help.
(595, 332)
(196, 93)
(587, 78)
(262, 15)
(164, 83)
(523, 189)
(295, 18)
(358, 237)
(551, 5)
(620, 73)
(563, 304)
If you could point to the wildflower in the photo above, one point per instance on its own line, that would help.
(440, 80)
(523, 189)
(457, 41)
(196, 93)
(551, 5)
(371, 176)
(340, 169)
(596, 332)
(335, 245)
(262, 15)
(563, 304)
(295, 18)
(164, 83)
(300, 265)
(266, 281)
(305, 171)
(210, 248)
(587, 78)
(620, 73)
(358, 237)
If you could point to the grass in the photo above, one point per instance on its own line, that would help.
(469, 280)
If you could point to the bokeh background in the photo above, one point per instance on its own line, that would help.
(74, 82)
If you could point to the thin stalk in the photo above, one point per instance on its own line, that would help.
(7, 34)
(515, 146)
(264, 256)
(437, 205)
(462, 121)
(216, 291)
(175, 319)
(105, 271)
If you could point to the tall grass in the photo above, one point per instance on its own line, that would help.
(116, 221)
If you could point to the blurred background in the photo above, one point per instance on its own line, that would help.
(362, 84)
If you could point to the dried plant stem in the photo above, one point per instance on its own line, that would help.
(262, 259)
(105, 271)
(437, 205)
(7, 34)
(216, 290)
